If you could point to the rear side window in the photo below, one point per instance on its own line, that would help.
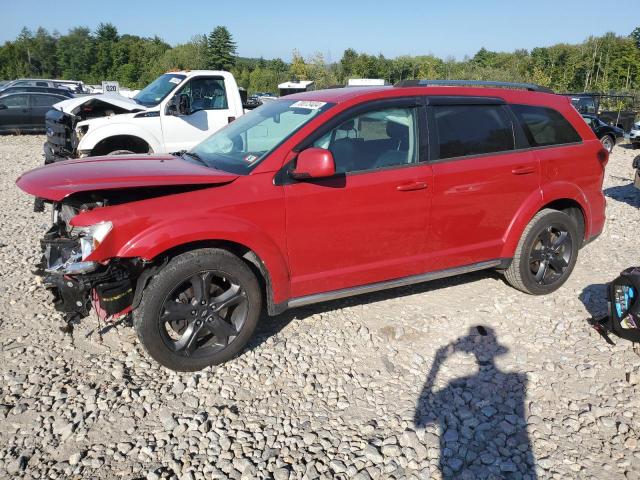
(472, 130)
(44, 100)
(545, 126)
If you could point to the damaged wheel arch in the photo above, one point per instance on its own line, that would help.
(251, 258)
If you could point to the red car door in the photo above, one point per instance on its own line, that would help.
(369, 223)
(480, 180)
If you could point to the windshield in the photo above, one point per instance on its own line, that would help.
(240, 146)
(156, 91)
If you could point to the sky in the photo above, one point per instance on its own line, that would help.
(273, 29)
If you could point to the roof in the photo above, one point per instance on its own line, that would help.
(300, 84)
(191, 73)
(340, 95)
(361, 82)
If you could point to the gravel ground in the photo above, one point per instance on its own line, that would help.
(400, 384)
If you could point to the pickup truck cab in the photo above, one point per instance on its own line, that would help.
(175, 112)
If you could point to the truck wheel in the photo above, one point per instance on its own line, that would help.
(200, 310)
(608, 142)
(546, 253)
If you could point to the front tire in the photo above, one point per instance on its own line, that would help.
(546, 253)
(200, 310)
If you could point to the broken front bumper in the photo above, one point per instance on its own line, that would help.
(61, 138)
(78, 285)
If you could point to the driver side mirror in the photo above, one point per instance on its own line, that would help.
(314, 163)
(3, 106)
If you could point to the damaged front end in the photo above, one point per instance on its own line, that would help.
(61, 140)
(64, 133)
(78, 284)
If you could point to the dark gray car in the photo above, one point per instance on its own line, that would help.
(25, 112)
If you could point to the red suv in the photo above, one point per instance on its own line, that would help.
(318, 196)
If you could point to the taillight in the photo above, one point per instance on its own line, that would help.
(230, 119)
(603, 157)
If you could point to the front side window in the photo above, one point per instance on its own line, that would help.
(206, 94)
(376, 139)
(472, 130)
(545, 126)
(241, 145)
(15, 101)
(156, 91)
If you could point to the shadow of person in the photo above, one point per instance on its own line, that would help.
(483, 430)
(628, 194)
(594, 299)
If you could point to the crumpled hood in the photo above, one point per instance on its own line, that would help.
(72, 105)
(58, 180)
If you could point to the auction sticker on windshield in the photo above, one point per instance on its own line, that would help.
(310, 105)
(175, 80)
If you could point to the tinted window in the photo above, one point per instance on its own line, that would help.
(545, 126)
(15, 101)
(376, 139)
(472, 130)
(44, 100)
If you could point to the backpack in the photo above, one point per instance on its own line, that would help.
(624, 307)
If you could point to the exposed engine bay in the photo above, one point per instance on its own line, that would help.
(62, 136)
(77, 284)
(114, 287)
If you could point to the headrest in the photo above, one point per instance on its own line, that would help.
(397, 130)
(348, 125)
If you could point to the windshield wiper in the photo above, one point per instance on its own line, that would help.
(193, 155)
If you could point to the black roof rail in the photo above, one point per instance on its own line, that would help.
(473, 83)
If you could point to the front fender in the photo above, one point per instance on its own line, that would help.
(549, 193)
(96, 134)
(152, 242)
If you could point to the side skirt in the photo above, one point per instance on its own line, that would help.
(398, 282)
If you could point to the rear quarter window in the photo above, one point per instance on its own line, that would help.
(545, 126)
(472, 130)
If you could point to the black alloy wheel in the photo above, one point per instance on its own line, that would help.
(546, 253)
(203, 314)
(199, 310)
(550, 255)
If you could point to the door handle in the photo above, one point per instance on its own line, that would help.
(523, 170)
(407, 187)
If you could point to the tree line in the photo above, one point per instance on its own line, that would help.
(608, 63)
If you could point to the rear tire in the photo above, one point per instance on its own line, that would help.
(546, 253)
(608, 142)
(200, 310)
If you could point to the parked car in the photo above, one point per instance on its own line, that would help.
(57, 91)
(609, 135)
(617, 110)
(25, 112)
(175, 112)
(634, 135)
(73, 86)
(318, 196)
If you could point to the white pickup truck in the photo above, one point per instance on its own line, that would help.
(174, 112)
